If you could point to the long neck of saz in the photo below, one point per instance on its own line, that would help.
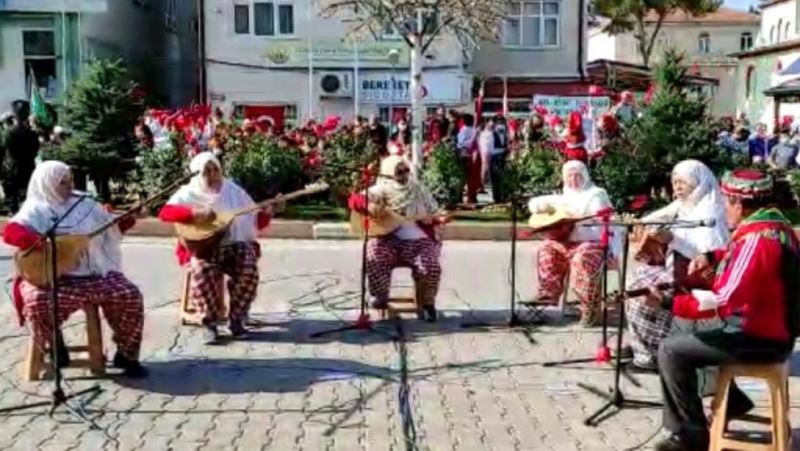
(142, 204)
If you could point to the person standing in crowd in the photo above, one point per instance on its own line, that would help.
(783, 153)
(466, 145)
(441, 124)
(455, 122)
(533, 130)
(486, 150)
(378, 134)
(22, 146)
(759, 144)
(400, 143)
(497, 163)
(626, 110)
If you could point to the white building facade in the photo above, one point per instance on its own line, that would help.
(280, 59)
(707, 42)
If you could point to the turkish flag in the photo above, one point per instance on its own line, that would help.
(275, 112)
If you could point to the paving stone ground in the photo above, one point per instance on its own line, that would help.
(439, 387)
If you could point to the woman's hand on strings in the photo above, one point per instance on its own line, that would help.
(203, 214)
(278, 206)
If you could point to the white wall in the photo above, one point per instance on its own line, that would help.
(772, 16)
(245, 69)
(559, 61)
(602, 46)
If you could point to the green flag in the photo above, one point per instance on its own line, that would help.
(38, 106)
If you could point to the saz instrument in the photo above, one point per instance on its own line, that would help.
(649, 250)
(31, 264)
(555, 225)
(386, 222)
(200, 238)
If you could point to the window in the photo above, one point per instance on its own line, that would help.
(268, 23)
(772, 35)
(704, 43)
(750, 81)
(241, 19)
(788, 30)
(532, 24)
(746, 41)
(778, 31)
(286, 19)
(39, 57)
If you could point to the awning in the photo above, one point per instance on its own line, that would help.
(793, 69)
(789, 89)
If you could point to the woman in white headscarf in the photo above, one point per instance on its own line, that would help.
(237, 255)
(98, 277)
(581, 255)
(413, 244)
(697, 198)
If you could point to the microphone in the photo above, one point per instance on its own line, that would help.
(708, 223)
(84, 194)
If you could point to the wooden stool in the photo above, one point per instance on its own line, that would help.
(96, 362)
(776, 375)
(189, 314)
(404, 304)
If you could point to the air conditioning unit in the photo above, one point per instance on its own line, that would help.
(336, 84)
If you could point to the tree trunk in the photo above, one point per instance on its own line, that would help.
(416, 104)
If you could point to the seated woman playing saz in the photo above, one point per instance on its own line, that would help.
(413, 244)
(97, 279)
(236, 255)
(580, 254)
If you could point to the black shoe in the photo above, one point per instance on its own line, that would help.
(210, 334)
(130, 368)
(675, 443)
(430, 313)
(380, 305)
(237, 330)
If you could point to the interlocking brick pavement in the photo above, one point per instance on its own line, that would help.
(444, 388)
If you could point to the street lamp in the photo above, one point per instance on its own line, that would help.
(394, 57)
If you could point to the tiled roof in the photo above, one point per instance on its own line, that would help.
(722, 15)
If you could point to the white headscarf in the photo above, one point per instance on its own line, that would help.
(705, 202)
(231, 196)
(43, 206)
(586, 199)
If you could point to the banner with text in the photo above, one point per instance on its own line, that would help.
(589, 107)
(388, 87)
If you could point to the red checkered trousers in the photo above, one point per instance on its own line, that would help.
(389, 252)
(117, 297)
(584, 261)
(239, 261)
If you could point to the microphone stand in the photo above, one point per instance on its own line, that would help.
(59, 398)
(616, 398)
(363, 322)
(514, 321)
